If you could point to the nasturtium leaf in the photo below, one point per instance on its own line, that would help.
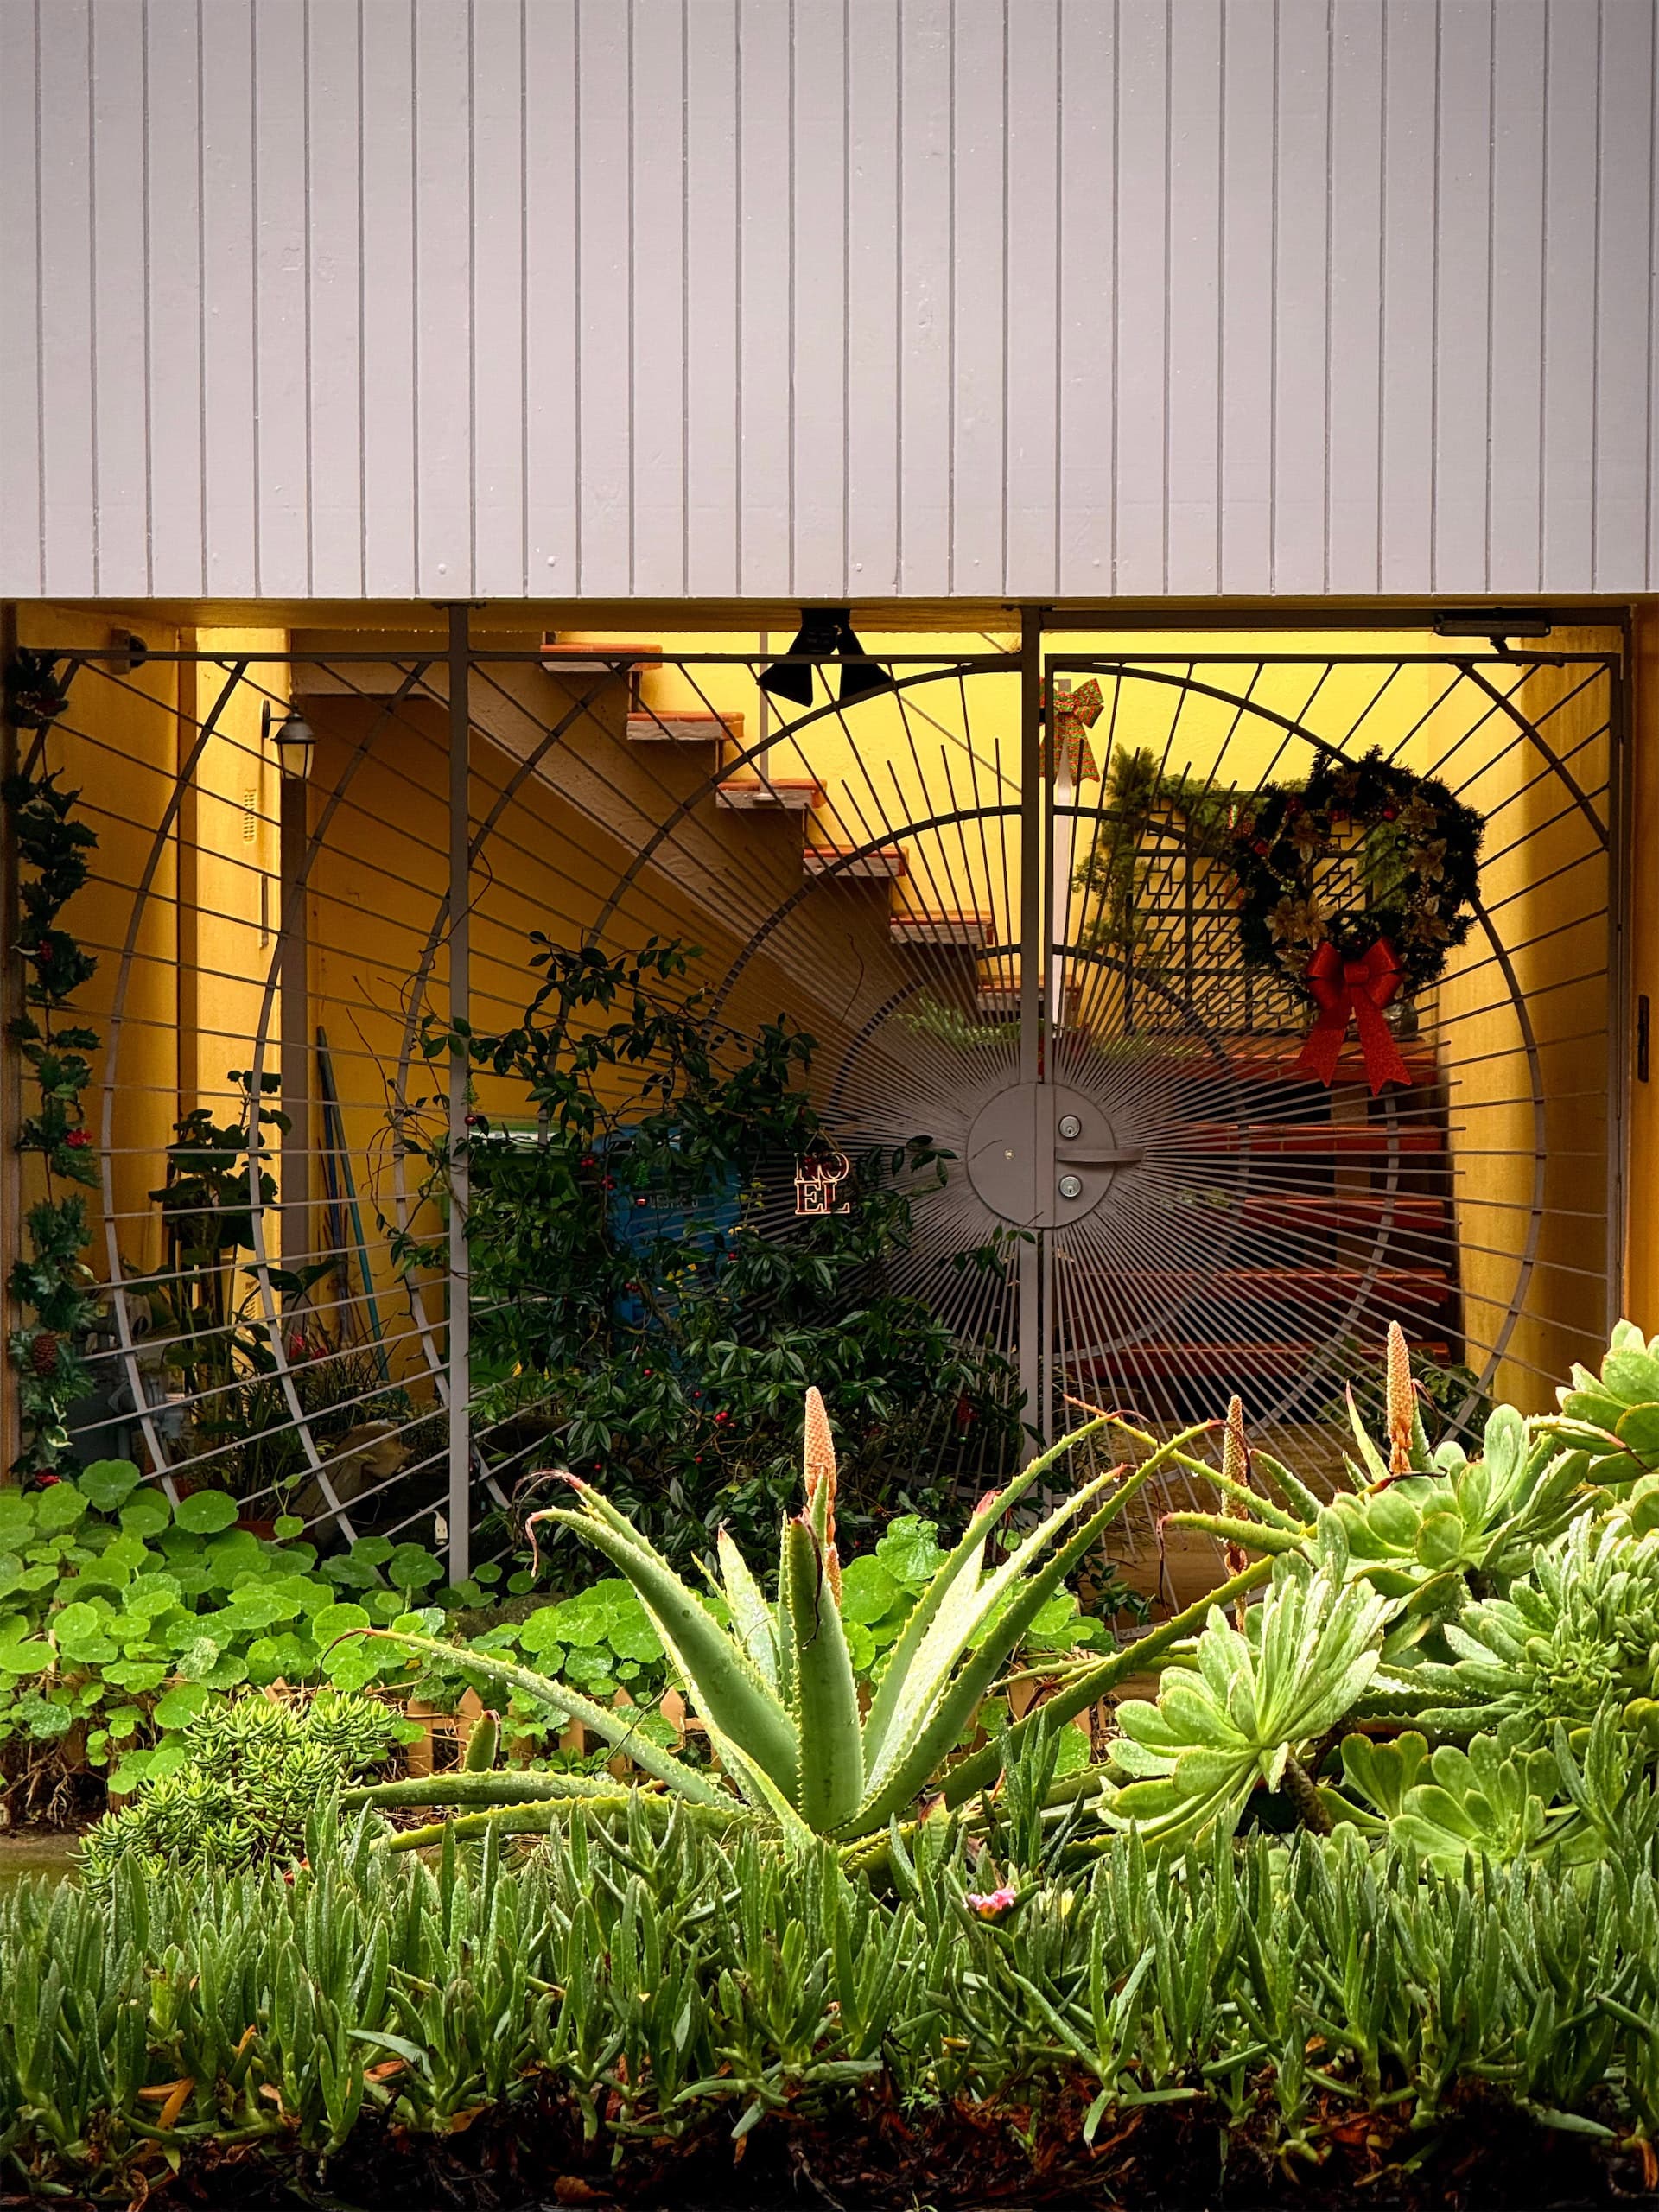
(146, 1514)
(336, 1620)
(286, 1655)
(136, 1674)
(287, 1525)
(488, 1574)
(58, 1508)
(860, 1647)
(521, 1584)
(11, 1572)
(31, 1656)
(411, 1567)
(384, 1604)
(199, 1658)
(150, 1593)
(423, 1620)
(16, 1518)
(374, 1551)
(204, 1512)
(351, 1573)
(868, 1591)
(350, 1666)
(107, 1484)
(540, 1633)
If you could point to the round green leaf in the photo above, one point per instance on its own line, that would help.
(147, 1514)
(181, 1705)
(335, 1620)
(350, 1666)
(108, 1482)
(31, 1656)
(411, 1567)
(374, 1551)
(287, 1525)
(204, 1512)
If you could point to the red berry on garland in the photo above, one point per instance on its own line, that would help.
(49, 1481)
(43, 1355)
(77, 1140)
(43, 951)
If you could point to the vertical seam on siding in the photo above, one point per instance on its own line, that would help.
(1273, 329)
(362, 331)
(1002, 547)
(307, 274)
(1434, 314)
(737, 292)
(201, 289)
(1491, 284)
(575, 288)
(253, 276)
(1221, 299)
(1330, 225)
(524, 291)
(632, 327)
(40, 304)
(1381, 290)
(92, 290)
(471, 586)
(790, 158)
(1117, 225)
(1169, 178)
(1543, 313)
(846, 297)
(150, 381)
(951, 299)
(686, 297)
(415, 296)
(898, 303)
(1653, 336)
(1058, 324)
(1595, 331)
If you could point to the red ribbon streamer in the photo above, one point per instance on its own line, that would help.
(1356, 991)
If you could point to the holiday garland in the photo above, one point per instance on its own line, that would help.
(1420, 870)
(51, 1282)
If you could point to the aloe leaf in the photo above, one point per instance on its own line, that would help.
(1374, 1465)
(1084, 1690)
(1251, 1534)
(749, 1610)
(619, 1728)
(826, 1694)
(477, 1790)
(914, 1763)
(956, 1576)
(719, 1676)
(1289, 1486)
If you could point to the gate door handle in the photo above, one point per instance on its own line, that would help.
(1123, 1155)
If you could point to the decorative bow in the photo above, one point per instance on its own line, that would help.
(1074, 713)
(1355, 990)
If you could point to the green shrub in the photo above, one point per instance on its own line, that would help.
(253, 1773)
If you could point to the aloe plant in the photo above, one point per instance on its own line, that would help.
(776, 1690)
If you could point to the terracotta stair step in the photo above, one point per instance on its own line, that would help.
(968, 932)
(769, 794)
(1235, 1363)
(683, 727)
(1334, 1140)
(1420, 1287)
(597, 657)
(852, 864)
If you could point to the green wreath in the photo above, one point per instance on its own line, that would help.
(1420, 867)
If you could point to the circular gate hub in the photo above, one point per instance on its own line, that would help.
(1042, 1154)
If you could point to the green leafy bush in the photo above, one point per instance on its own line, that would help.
(253, 1773)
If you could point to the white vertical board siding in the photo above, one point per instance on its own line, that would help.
(1034, 298)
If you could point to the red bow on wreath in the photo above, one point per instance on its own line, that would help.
(1355, 990)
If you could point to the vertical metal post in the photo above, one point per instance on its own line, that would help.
(1034, 1367)
(293, 984)
(1620, 1030)
(461, 1436)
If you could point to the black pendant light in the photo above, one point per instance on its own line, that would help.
(826, 632)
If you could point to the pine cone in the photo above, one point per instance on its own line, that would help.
(43, 1355)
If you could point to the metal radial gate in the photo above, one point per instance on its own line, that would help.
(985, 886)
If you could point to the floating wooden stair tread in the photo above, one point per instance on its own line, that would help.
(1339, 1209)
(684, 727)
(1242, 1362)
(850, 864)
(1002, 1000)
(597, 657)
(971, 932)
(1346, 1140)
(1301, 1285)
(779, 794)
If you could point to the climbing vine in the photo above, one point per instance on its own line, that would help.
(50, 1281)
